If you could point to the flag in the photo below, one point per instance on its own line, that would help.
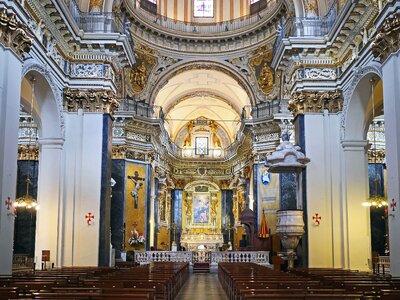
(263, 232)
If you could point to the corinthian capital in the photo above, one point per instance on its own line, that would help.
(14, 35)
(387, 41)
(315, 102)
(102, 101)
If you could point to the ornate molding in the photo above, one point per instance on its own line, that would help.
(14, 35)
(118, 151)
(316, 102)
(387, 41)
(103, 101)
(28, 152)
(377, 156)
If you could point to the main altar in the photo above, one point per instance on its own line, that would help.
(211, 242)
(201, 217)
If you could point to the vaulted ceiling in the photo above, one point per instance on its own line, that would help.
(202, 93)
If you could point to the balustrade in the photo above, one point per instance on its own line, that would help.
(257, 257)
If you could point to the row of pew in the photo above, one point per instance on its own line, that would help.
(151, 282)
(250, 281)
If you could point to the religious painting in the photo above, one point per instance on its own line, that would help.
(201, 208)
(135, 207)
(268, 196)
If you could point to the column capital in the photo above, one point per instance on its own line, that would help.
(28, 152)
(316, 102)
(13, 34)
(387, 41)
(102, 101)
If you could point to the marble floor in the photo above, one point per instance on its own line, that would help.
(202, 286)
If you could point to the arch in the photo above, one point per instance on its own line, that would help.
(205, 65)
(190, 186)
(357, 108)
(48, 106)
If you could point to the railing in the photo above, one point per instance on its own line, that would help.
(22, 261)
(261, 110)
(146, 257)
(257, 257)
(209, 27)
(98, 22)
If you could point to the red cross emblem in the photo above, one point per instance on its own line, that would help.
(89, 218)
(393, 205)
(8, 203)
(317, 219)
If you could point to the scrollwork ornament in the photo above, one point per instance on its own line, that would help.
(316, 102)
(14, 35)
(387, 41)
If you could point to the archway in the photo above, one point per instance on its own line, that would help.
(355, 143)
(47, 117)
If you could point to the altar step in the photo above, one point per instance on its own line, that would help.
(201, 267)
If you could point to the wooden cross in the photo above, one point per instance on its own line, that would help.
(317, 219)
(89, 217)
(393, 205)
(8, 203)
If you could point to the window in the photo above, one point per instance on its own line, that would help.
(203, 8)
(201, 146)
(253, 1)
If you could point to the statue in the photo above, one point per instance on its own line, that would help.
(215, 138)
(138, 77)
(188, 140)
(135, 192)
(266, 80)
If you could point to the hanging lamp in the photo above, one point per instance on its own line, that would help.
(28, 201)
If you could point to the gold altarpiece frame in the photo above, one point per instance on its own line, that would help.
(202, 208)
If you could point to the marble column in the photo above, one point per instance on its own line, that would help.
(386, 48)
(14, 42)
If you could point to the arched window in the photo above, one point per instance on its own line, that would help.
(203, 8)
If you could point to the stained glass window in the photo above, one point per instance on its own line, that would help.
(203, 8)
(201, 146)
(253, 1)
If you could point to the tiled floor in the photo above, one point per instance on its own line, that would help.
(202, 286)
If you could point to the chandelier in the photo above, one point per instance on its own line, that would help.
(376, 200)
(28, 201)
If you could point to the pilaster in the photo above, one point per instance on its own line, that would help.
(386, 48)
(14, 42)
(317, 120)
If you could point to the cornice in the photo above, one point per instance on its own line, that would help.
(102, 101)
(387, 41)
(315, 102)
(13, 34)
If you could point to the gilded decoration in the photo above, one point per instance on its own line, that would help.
(103, 101)
(262, 70)
(138, 75)
(387, 41)
(14, 35)
(316, 102)
(28, 152)
(376, 156)
(136, 186)
(118, 151)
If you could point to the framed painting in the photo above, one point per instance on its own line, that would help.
(201, 208)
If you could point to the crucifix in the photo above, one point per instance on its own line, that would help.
(135, 192)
